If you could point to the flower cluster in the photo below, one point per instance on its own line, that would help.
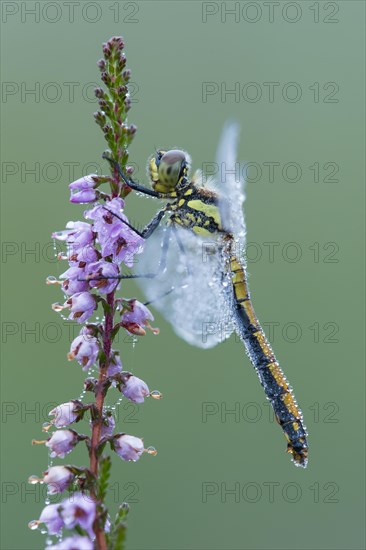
(97, 248)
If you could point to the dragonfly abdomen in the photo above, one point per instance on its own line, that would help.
(270, 374)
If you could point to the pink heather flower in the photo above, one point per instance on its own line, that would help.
(115, 365)
(137, 318)
(135, 389)
(128, 447)
(79, 509)
(58, 478)
(72, 284)
(77, 234)
(115, 237)
(103, 269)
(51, 516)
(84, 349)
(62, 442)
(66, 413)
(85, 255)
(82, 305)
(73, 543)
(82, 190)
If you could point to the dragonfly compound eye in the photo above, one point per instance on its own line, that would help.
(168, 169)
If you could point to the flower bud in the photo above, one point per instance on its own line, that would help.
(136, 317)
(135, 389)
(82, 305)
(62, 442)
(51, 517)
(96, 273)
(84, 349)
(115, 365)
(66, 413)
(83, 190)
(58, 478)
(128, 447)
(108, 425)
(80, 510)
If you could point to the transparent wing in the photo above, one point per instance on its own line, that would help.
(229, 182)
(194, 292)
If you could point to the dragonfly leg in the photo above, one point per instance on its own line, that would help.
(149, 228)
(128, 181)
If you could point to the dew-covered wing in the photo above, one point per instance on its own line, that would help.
(229, 181)
(194, 291)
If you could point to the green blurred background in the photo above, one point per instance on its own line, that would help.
(181, 499)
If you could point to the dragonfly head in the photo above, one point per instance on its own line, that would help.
(168, 170)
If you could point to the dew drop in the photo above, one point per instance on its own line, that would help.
(33, 525)
(57, 307)
(156, 394)
(51, 280)
(151, 451)
(33, 480)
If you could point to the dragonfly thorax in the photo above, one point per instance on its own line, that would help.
(168, 170)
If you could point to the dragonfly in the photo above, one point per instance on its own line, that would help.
(200, 281)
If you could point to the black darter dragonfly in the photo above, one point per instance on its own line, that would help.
(200, 285)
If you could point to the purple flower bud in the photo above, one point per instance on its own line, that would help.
(85, 255)
(79, 509)
(83, 189)
(108, 426)
(84, 349)
(73, 543)
(137, 317)
(102, 269)
(135, 389)
(106, 50)
(126, 75)
(128, 447)
(58, 478)
(115, 237)
(66, 413)
(77, 234)
(99, 92)
(72, 284)
(115, 365)
(62, 442)
(51, 516)
(82, 305)
(127, 103)
(101, 64)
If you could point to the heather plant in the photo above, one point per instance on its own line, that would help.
(96, 249)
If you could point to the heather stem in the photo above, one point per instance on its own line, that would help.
(97, 425)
